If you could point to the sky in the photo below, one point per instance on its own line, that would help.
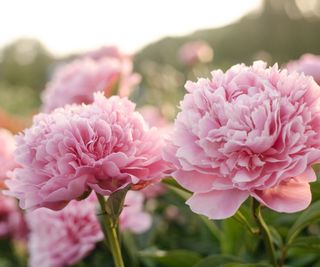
(66, 26)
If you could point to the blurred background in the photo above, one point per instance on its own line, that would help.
(36, 36)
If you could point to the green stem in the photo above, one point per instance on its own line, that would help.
(256, 210)
(111, 234)
(242, 219)
(284, 252)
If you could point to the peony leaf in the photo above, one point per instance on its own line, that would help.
(311, 215)
(310, 243)
(115, 201)
(173, 258)
(276, 237)
(217, 261)
(172, 184)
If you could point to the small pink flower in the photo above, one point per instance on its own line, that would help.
(12, 223)
(63, 238)
(7, 146)
(194, 52)
(132, 217)
(252, 131)
(103, 146)
(308, 64)
(75, 83)
(107, 52)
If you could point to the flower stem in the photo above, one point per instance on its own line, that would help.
(256, 210)
(111, 234)
(242, 219)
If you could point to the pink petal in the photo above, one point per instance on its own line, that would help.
(194, 181)
(291, 196)
(217, 204)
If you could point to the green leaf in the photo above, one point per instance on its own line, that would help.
(232, 240)
(131, 247)
(217, 261)
(276, 237)
(311, 215)
(171, 182)
(114, 203)
(176, 188)
(173, 258)
(310, 243)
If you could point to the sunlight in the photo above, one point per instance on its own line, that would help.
(65, 26)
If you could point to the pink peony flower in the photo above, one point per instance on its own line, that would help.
(7, 146)
(252, 131)
(64, 237)
(103, 146)
(12, 223)
(132, 217)
(194, 52)
(75, 83)
(308, 64)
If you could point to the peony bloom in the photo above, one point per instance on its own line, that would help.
(64, 237)
(308, 64)
(103, 146)
(252, 131)
(194, 52)
(132, 217)
(75, 83)
(7, 146)
(12, 223)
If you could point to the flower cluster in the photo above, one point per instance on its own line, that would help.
(251, 131)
